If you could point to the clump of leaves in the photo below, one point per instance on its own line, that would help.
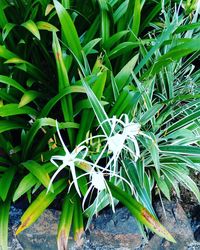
(86, 67)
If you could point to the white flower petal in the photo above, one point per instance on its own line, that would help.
(98, 180)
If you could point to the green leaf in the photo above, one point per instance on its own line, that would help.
(69, 30)
(38, 206)
(66, 91)
(163, 37)
(86, 124)
(184, 122)
(174, 54)
(30, 181)
(38, 171)
(32, 27)
(185, 150)
(6, 30)
(150, 113)
(6, 181)
(13, 109)
(28, 97)
(162, 185)
(141, 213)
(11, 82)
(78, 228)
(5, 53)
(39, 123)
(10, 125)
(65, 220)
(66, 101)
(4, 217)
(136, 19)
(123, 76)
(41, 25)
(98, 109)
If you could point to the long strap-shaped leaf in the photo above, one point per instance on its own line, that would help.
(141, 213)
(4, 215)
(69, 30)
(37, 207)
(65, 221)
(63, 82)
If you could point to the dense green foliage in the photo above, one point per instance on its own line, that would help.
(86, 65)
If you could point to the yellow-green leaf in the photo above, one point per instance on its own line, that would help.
(32, 27)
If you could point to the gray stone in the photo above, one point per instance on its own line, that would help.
(176, 221)
(197, 234)
(42, 234)
(107, 232)
(115, 231)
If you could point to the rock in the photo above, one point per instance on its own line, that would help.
(117, 230)
(177, 224)
(107, 232)
(40, 236)
(197, 234)
(15, 215)
(194, 246)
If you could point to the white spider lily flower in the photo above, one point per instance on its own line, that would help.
(69, 159)
(123, 130)
(115, 143)
(98, 182)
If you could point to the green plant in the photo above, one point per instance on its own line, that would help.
(85, 66)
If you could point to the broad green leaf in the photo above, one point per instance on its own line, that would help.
(161, 183)
(122, 48)
(141, 213)
(49, 8)
(114, 39)
(7, 29)
(41, 25)
(66, 91)
(25, 185)
(136, 19)
(38, 171)
(150, 113)
(13, 109)
(11, 82)
(4, 217)
(86, 124)
(29, 181)
(10, 125)
(28, 97)
(32, 27)
(3, 19)
(88, 48)
(66, 101)
(187, 27)
(28, 67)
(5, 53)
(123, 76)
(38, 124)
(98, 109)
(6, 181)
(78, 228)
(69, 30)
(38, 206)
(65, 221)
